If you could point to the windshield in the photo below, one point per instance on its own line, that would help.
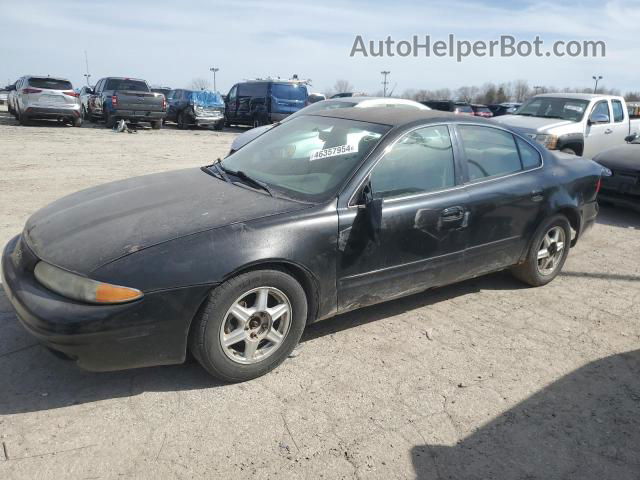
(309, 157)
(206, 98)
(553, 107)
(50, 83)
(126, 84)
(289, 91)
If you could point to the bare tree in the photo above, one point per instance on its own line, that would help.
(200, 84)
(632, 96)
(467, 94)
(343, 86)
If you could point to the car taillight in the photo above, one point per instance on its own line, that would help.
(71, 93)
(114, 101)
(164, 103)
(31, 90)
(598, 185)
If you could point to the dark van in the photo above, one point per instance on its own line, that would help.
(260, 102)
(462, 108)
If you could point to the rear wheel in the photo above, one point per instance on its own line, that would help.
(156, 124)
(109, 120)
(23, 119)
(548, 253)
(249, 325)
(77, 122)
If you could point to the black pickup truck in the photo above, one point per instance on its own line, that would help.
(116, 98)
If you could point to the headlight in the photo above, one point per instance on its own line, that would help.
(549, 141)
(83, 289)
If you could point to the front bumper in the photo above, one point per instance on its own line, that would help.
(620, 199)
(201, 120)
(150, 331)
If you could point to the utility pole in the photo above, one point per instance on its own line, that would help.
(214, 70)
(86, 62)
(385, 82)
(595, 88)
(536, 88)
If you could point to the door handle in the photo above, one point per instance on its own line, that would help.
(452, 214)
(537, 195)
(608, 131)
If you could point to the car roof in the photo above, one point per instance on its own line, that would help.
(47, 77)
(375, 100)
(394, 117)
(578, 96)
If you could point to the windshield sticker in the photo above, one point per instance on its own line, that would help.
(332, 152)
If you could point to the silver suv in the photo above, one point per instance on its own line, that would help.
(46, 98)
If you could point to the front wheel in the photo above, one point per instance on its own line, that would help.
(249, 325)
(547, 254)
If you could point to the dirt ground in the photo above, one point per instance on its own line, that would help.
(480, 380)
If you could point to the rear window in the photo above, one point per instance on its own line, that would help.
(50, 83)
(124, 84)
(464, 109)
(289, 91)
(252, 89)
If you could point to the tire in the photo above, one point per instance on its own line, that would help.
(570, 151)
(156, 124)
(231, 363)
(83, 113)
(23, 119)
(218, 126)
(77, 122)
(530, 272)
(109, 120)
(182, 121)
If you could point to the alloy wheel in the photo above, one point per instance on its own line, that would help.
(551, 250)
(256, 325)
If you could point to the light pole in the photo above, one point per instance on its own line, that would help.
(385, 82)
(88, 76)
(214, 70)
(595, 88)
(536, 88)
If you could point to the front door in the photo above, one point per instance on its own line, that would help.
(421, 240)
(598, 135)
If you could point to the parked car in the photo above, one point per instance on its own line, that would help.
(579, 124)
(348, 94)
(315, 97)
(130, 99)
(622, 187)
(163, 90)
(481, 111)
(11, 98)
(47, 98)
(462, 108)
(4, 95)
(506, 108)
(86, 102)
(259, 102)
(340, 102)
(202, 108)
(323, 214)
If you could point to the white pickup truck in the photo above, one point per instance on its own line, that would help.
(580, 124)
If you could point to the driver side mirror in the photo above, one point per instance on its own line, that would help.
(598, 118)
(630, 138)
(372, 211)
(10, 88)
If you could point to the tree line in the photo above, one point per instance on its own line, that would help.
(488, 93)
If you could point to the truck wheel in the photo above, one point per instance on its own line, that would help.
(183, 121)
(548, 252)
(156, 124)
(219, 126)
(109, 120)
(570, 151)
(249, 325)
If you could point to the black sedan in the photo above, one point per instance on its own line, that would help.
(321, 215)
(622, 187)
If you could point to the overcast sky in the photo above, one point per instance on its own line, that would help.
(170, 43)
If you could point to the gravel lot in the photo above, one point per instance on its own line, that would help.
(484, 379)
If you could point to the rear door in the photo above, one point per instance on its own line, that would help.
(620, 124)
(422, 234)
(506, 196)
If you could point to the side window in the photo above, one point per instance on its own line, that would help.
(530, 156)
(602, 108)
(421, 161)
(618, 111)
(489, 152)
(99, 86)
(232, 94)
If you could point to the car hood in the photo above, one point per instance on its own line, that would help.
(87, 229)
(245, 137)
(532, 124)
(624, 157)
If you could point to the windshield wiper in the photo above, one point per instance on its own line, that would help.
(219, 170)
(256, 183)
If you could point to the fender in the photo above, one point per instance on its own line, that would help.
(575, 141)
